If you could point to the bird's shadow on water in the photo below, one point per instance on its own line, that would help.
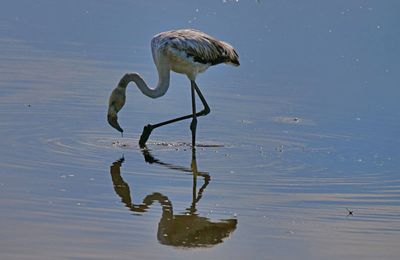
(186, 229)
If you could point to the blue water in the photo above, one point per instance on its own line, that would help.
(303, 131)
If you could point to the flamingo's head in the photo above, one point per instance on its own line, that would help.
(116, 102)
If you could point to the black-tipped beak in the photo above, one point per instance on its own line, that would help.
(113, 121)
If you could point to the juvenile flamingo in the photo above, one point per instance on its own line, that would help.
(186, 51)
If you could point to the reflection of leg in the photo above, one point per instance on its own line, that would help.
(193, 164)
(149, 128)
(203, 187)
(197, 196)
(148, 157)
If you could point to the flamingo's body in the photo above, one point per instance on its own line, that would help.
(188, 52)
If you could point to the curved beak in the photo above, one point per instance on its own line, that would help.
(113, 121)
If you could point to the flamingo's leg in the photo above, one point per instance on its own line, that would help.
(193, 124)
(149, 128)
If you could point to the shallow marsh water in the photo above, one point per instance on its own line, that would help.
(306, 128)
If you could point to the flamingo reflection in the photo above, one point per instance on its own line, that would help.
(186, 229)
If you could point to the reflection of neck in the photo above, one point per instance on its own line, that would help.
(167, 211)
(120, 187)
(158, 91)
(123, 191)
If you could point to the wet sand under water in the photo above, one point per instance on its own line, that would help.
(289, 166)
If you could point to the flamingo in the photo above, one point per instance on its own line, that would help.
(185, 51)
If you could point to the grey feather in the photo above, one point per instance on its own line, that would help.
(201, 47)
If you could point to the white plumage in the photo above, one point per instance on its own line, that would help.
(185, 51)
(191, 52)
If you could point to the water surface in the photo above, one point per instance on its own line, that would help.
(303, 131)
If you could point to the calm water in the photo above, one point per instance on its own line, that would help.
(304, 130)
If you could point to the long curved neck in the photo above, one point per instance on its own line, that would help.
(158, 91)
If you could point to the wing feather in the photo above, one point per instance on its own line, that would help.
(201, 47)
